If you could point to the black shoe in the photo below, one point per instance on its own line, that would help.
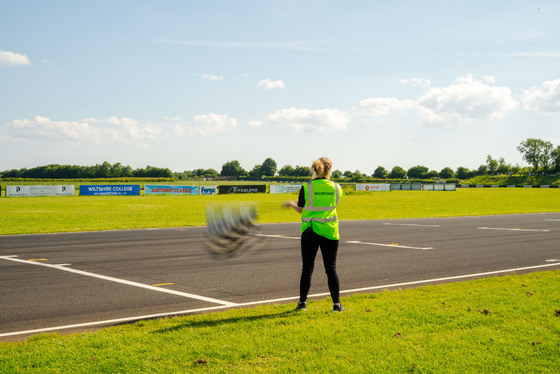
(301, 305)
(338, 308)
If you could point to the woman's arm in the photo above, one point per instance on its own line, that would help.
(293, 205)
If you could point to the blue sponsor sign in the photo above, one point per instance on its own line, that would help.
(110, 190)
(208, 190)
(173, 190)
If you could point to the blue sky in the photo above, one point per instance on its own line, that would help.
(195, 84)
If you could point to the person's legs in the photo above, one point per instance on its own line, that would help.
(309, 248)
(329, 250)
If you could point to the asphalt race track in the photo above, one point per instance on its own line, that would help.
(80, 281)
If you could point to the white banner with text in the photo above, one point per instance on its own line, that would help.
(373, 187)
(32, 191)
(284, 188)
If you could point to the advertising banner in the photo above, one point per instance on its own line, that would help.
(110, 190)
(244, 188)
(406, 187)
(373, 187)
(284, 188)
(208, 190)
(31, 191)
(439, 187)
(171, 190)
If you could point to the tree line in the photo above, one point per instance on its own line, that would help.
(542, 155)
(104, 170)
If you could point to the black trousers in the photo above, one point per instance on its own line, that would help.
(310, 244)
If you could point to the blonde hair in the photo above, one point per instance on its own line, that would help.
(322, 168)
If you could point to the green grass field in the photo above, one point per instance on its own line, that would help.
(508, 324)
(86, 213)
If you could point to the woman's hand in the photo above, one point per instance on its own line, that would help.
(292, 204)
(288, 204)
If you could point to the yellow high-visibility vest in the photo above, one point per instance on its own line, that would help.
(319, 212)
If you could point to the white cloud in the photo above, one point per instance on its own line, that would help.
(545, 99)
(213, 77)
(44, 128)
(467, 99)
(115, 129)
(86, 130)
(416, 82)
(213, 123)
(310, 120)
(11, 58)
(255, 123)
(134, 128)
(382, 106)
(270, 85)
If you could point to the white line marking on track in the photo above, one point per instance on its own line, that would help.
(118, 280)
(552, 260)
(388, 245)
(410, 224)
(514, 229)
(450, 278)
(191, 311)
(277, 236)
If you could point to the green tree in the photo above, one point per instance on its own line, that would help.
(380, 173)
(211, 173)
(152, 172)
(256, 172)
(432, 174)
(515, 169)
(232, 169)
(482, 170)
(446, 173)
(337, 174)
(397, 172)
(286, 171)
(102, 171)
(302, 171)
(463, 173)
(503, 168)
(492, 165)
(536, 152)
(269, 168)
(357, 176)
(555, 155)
(418, 172)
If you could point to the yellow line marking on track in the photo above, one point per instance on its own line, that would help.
(37, 259)
(162, 284)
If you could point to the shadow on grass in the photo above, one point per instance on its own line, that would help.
(227, 321)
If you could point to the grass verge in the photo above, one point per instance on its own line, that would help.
(508, 324)
(86, 213)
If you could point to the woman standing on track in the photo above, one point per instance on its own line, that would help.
(319, 229)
